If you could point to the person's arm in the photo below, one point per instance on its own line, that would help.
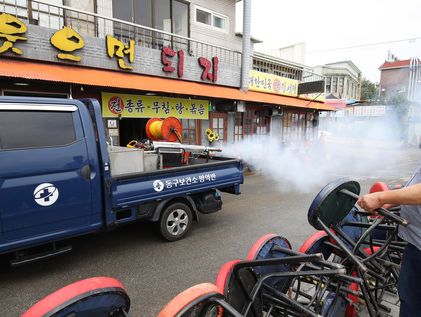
(410, 195)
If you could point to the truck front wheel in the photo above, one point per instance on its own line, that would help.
(175, 221)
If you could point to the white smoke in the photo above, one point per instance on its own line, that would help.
(341, 149)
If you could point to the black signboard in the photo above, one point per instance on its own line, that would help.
(311, 87)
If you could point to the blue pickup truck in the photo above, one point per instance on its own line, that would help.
(57, 181)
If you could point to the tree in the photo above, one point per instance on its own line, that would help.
(368, 90)
(400, 105)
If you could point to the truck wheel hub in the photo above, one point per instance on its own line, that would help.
(177, 222)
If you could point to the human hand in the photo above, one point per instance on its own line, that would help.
(370, 202)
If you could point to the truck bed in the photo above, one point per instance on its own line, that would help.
(200, 175)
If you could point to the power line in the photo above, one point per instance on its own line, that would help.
(365, 45)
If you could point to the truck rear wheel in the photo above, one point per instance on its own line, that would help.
(175, 221)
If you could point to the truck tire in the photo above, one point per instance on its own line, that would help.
(175, 221)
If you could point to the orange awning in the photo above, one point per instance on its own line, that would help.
(107, 78)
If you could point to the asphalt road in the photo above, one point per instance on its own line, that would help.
(154, 271)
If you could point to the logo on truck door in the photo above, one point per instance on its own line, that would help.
(158, 185)
(46, 194)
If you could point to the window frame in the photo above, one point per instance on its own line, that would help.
(207, 12)
(237, 135)
(248, 128)
(219, 115)
(196, 131)
(172, 15)
(212, 13)
(261, 122)
(71, 109)
(152, 13)
(297, 126)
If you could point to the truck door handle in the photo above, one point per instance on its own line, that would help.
(85, 171)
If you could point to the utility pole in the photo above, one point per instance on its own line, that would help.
(246, 55)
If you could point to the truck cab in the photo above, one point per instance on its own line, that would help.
(49, 171)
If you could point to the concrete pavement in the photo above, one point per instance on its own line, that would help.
(154, 271)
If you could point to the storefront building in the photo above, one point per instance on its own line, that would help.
(274, 75)
(140, 71)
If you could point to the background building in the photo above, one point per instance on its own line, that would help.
(293, 125)
(401, 78)
(143, 59)
(294, 53)
(400, 87)
(343, 80)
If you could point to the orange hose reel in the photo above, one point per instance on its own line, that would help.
(169, 129)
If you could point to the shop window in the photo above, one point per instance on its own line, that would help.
(256, 123)
(301, 124)
(189, 131)
(297, 127)
(261, 123)
(294, 128)
(310, 126)
(208, 17)
(287, 127)
(42, 129)
(238, 126)
(248, 123)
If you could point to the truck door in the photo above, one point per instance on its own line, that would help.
(45, 186)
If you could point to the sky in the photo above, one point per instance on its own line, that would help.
(326, 25)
